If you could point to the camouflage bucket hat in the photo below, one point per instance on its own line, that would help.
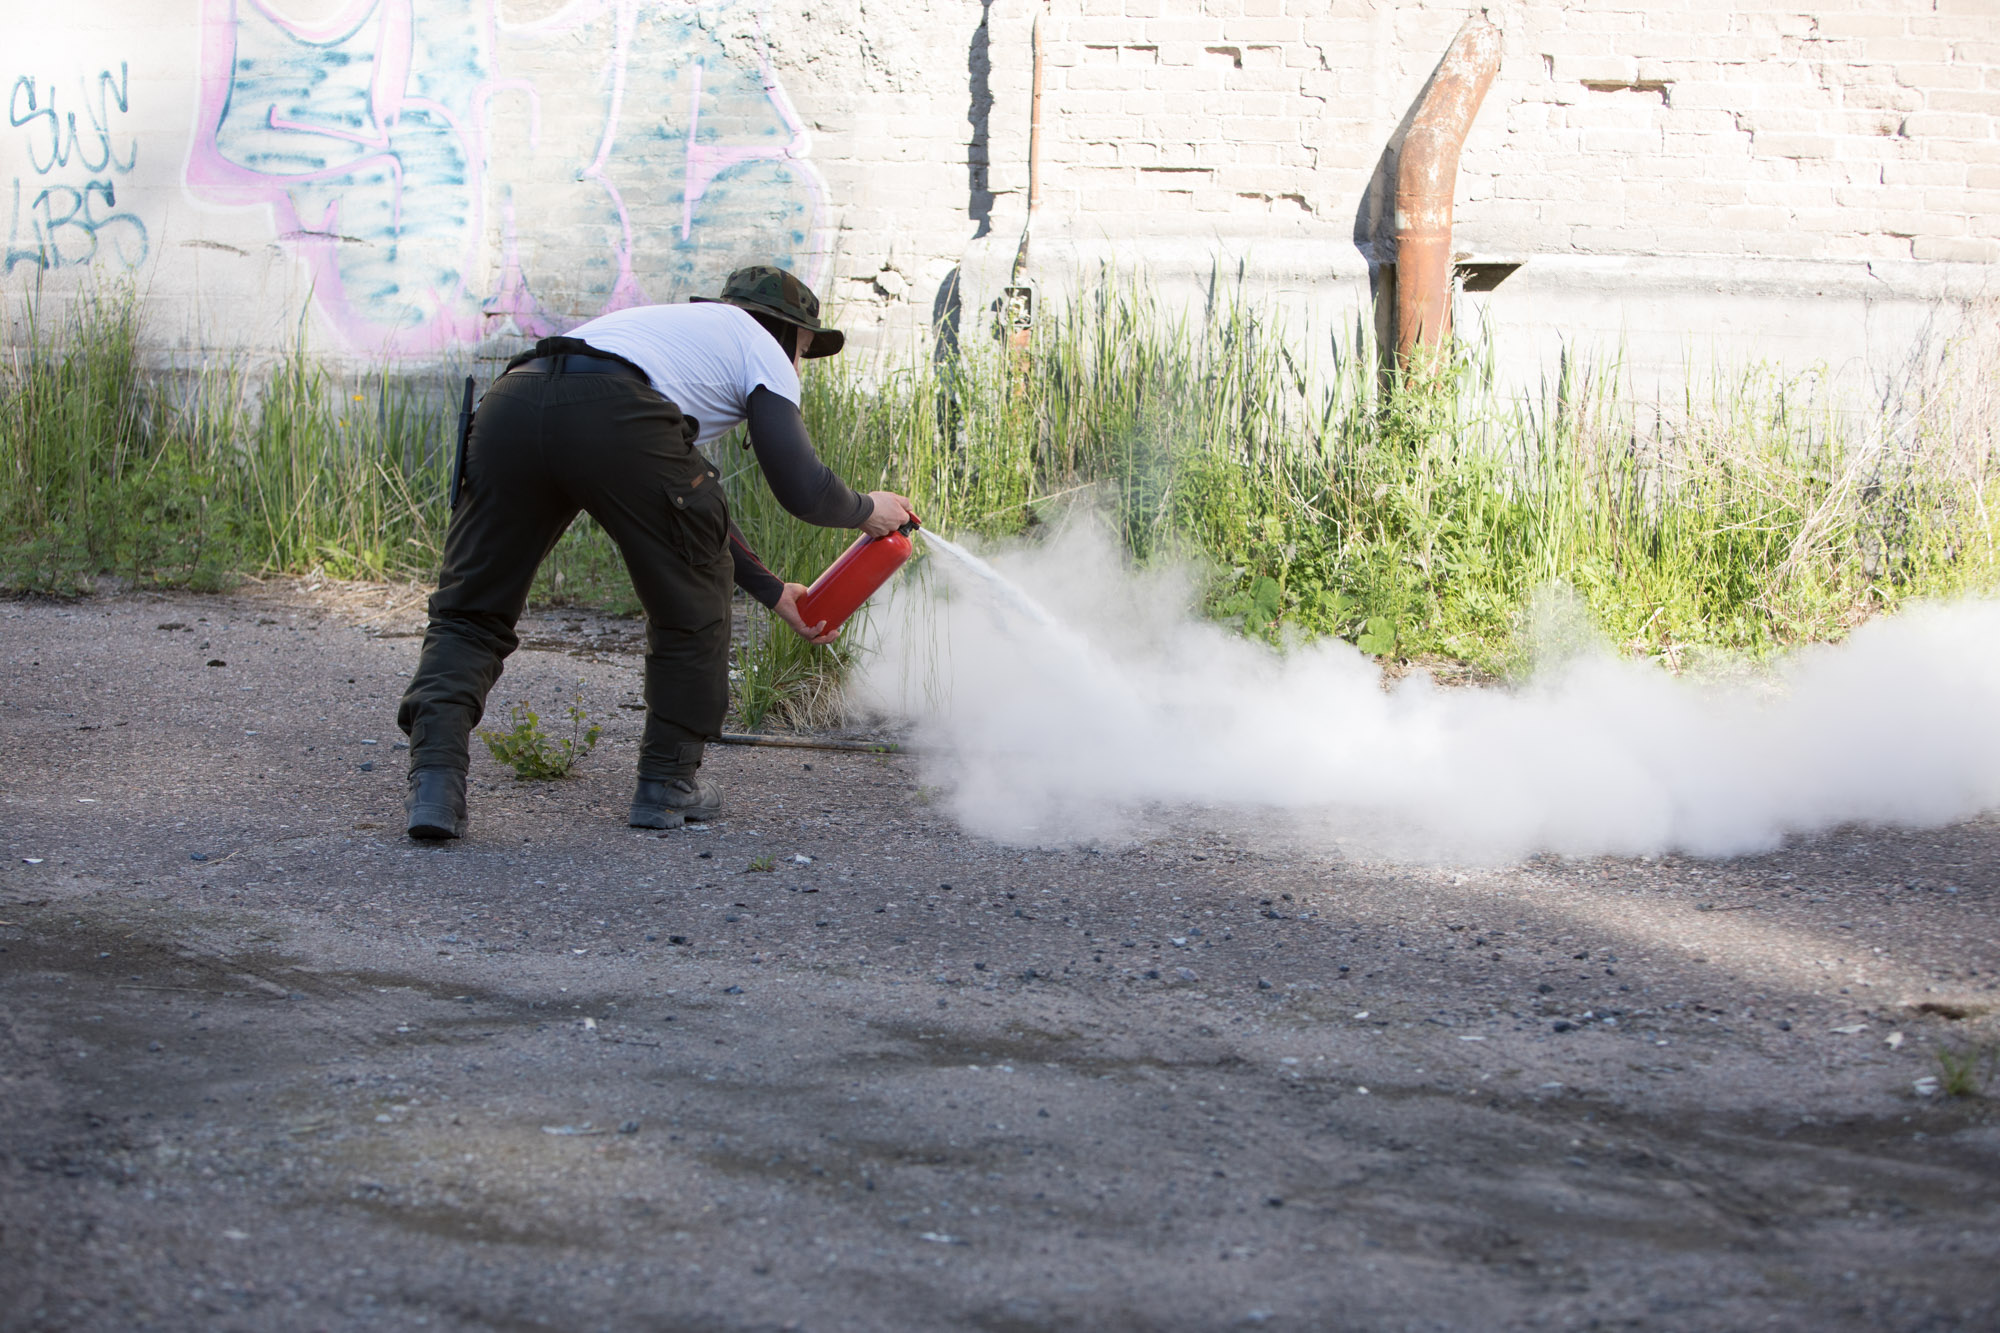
(772, 291)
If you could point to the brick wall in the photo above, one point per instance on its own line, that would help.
(1663, 171)
(1856, 131)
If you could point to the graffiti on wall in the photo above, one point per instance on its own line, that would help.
(446, 174)
(77, 145)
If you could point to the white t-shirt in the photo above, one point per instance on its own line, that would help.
(707, 357)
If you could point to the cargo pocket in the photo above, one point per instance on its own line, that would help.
(699, 515)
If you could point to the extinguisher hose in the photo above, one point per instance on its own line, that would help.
(813, 743)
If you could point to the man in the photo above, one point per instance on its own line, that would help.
(606, 420)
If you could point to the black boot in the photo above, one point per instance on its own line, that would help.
(679, 796)
(672, 802)
(436, 803)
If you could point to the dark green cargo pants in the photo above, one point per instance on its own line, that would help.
(544, 447)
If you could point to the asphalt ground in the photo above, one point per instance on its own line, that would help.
(265, 1065)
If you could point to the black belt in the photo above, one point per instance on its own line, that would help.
(575, 363)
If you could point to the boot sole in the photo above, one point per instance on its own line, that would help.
(654, 817)
(435, 826)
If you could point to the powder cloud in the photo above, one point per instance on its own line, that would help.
(1089, 700)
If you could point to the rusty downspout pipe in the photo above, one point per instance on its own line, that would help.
(1426, 175)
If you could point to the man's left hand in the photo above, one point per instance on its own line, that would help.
(787, 610)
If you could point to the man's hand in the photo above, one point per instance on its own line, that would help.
(892, 511)
(788, 611)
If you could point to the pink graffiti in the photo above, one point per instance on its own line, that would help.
(706, 162)
(512, 297)
(214, 176)
(626, 291)
(243, 156)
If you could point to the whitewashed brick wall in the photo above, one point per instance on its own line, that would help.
(1782, 180)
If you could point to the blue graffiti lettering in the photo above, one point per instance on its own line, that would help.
(68, 230)
(16, 253)
(74, 222)
(32, 108)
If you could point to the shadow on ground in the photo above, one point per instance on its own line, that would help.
(264, 1066)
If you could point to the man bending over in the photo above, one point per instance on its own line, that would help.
(606, 421)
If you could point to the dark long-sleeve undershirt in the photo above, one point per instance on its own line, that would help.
(805, 486)
(751, 576)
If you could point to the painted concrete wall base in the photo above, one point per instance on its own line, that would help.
(1661, 319)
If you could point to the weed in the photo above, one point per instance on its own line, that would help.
(532, 753)
(1964, 1071)
(763, 863)
(1257, 610)
(1378, 637)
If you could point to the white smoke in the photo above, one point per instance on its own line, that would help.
(1070, 727)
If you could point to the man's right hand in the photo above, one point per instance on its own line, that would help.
(787, 610)
(891, 511)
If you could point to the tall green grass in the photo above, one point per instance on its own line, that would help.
(89, 484)
(189, 477)
(1418, 514)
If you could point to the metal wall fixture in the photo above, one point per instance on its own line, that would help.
(1426, 176)
(1017, 301)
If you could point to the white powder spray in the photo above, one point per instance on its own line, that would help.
(1065, 725)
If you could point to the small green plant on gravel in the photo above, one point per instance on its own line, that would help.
(532, 753)
(1964, 1071)
(763, 863)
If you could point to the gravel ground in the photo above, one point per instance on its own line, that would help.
(266, 1065)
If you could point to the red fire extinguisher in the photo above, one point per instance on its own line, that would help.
(854, 577)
